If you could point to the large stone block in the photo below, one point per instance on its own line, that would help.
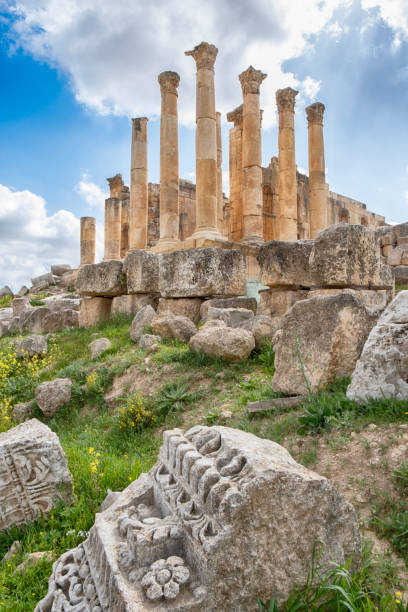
(285, 264)
(34, 475)
(131, 304)
(223, 518)
(382, 368)
(186, 307)
(401, 274)
(93, 310)
(234, 302)
(142, 271)
(372, 298)
(319, 340)
(346, 255)
(224, 342)
(177, 327)
(232, 317)
(105, 279)
(202, 273)
(276, 302)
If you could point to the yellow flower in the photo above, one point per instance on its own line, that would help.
(397, 601)
(90, 450)
(398, 594)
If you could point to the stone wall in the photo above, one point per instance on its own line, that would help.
(394, 247)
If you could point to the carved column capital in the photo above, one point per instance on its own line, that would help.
(251, 80)
(285, 98)
(116, 185)
(315, 113)
(168, 81)
(204, 55)
(235, 116)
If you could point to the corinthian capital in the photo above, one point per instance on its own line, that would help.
(251, 79)
(235, 116)
(168, 81)
(285, 98)
(204, 55)
(315, 113)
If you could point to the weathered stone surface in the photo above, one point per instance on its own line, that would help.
(23, 411)
(202, 273)
(56, 303)
(53, 394)
(30, 346)
(175, 327)
(382, 370)
(320, 339)
(34, 473)
(131, 304)
(346, 255)
(401, 274)
(32, 560)
(6, 291)
(105, 279)
(395, 256)
(187, 307)
(99, 346)
(276, 302)
(232, 317)
(93, 310)
(224, 342)
(198, 533)
(19, 305)
(68, 280)
(60, 269)
(64, 319)
(263, 328)
(233, 302)
(148, 340)
(142, 319)
(33, 320)
(12, 551)
(22, 291)
(285, 263)
(372, 298)
(6, 314)
(142, 271)
(43, 280)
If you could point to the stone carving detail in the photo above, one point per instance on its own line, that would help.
(285, 98)
(236, 116)
(315, 113)
(251, 80)
(204, 55)
(168, 81)
(34, 475)
(204, 529)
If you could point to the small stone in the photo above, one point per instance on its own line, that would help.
(30, 346)
(32, 560)
(98, 347)
(226, 414)
(141, 320)
(53, 394)
(147, 341)
(12, 551)
(174, 561)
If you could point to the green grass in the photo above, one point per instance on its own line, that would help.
(5, 301)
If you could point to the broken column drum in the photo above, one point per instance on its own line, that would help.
(87, 241)
(317, 172)
(138, 185)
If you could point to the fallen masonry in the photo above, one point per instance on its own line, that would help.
(223, 517)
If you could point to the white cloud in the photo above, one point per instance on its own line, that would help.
(113, 51)
(395, 15)
(91, 192)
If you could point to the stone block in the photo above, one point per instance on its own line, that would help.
(404, 257)
(142, 319)
(98, 347)
(285, 263)
(395, 256)
(372, 298)
(93, 310)
(263, 328)
(400, 231)
(346, 255)
(234, 302)
(68, 280)
(142, 271)
(202, 273)
(64, 302)
(60, 269)
(186, 307)
(319, 340)
(22, 291)
(34, 473)
(6, 314)
(401, 274)
(276, 302)
(19, 305)
(105, 279)
(64, 319)
(203, 530)
(30, 346)
(131, 304)
(386, 250)
(44, 280)
(232, 317)
(33, 320)
(223, 342)
(53, 394)
(173, 327)
(6, 291)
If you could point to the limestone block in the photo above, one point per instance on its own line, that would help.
(105, 279)
(401, 274)
(404, 257)
(34, 473)
(224, 342)
(98, 347)
(382, 368)
(53, 394)
(372, 298)
(346, 255)
(69, 279)
(202, 531)
(60, 269)
(285, 263)
(202, 273)
(319, 340)
(142, 319)
(43, 280)
(30, 346)
(22, 291)
(64, 302)
(20, 304)
(93, 310)
(400, 231)
(177, 327)
(6, 291)
(142, 271)
(384, 235)
(263, 328)
(276, 302)
(33, 320)
(232, 317)
(186, 307)
(403, 241)
(148, 340)
(386, 250)
(23, 411)
(6, 314)
(131, 304)
(395, 256)
(64, 319)
(234, 302)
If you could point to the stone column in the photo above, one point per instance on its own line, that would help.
(113, 221)
(87, 241)
(169, 160)
(116, 185)
(138, 186)
(252, 221)
(220, 198)
(235, 174)
(124, 234)
(287, 182)
(204, 55)
(318, 212)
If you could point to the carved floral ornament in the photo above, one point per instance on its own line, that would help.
(168, 81)
(204, 55)
(285, 98)
(315, 113)
(251, 80)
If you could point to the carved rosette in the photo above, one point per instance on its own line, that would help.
(315, 112)
(235, 116)
(285, 99)
(204, 55)
(164, 578)
(251, 80)
(168, 81)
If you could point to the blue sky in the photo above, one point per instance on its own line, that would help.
(74, 72)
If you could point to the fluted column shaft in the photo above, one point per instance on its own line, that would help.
(287, 181)
(113, 220)
(317, 172)
(252, 199)
(235, 174)
(87, 241)
(138, 185)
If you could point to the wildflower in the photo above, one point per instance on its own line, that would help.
(90, 450)
(397, 601)
(398, 594)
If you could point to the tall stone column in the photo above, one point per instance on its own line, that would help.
(252, 198)
(138, 185)
(235, 174)
(169, 159)
(113, 228)
(318, 210)
(87, 241)
(287, 182)
(204, 55)
(124, 233)
(220, 198)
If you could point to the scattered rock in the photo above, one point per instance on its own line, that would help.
(32, 560)
(12, 551)
(263, 328)
(224, 342)
(141, 320)
(105, 279)
(60, 269)
(6, 314)
(6, 291)
(42, 281)
(23, 411)
(232, 317)
(68, 280)
(170, 326)
(99, 346)
(226, 415)
(53, 394)
(148, 340)
(30, 346)
(19, 305)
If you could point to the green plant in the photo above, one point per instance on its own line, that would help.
(389, 517)
(5, 301)
(174, 397)
(266, 356)
(401, 476)
(212, 417)
(134, 414)
(315, 418)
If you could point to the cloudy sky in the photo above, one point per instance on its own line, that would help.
(73, 72)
